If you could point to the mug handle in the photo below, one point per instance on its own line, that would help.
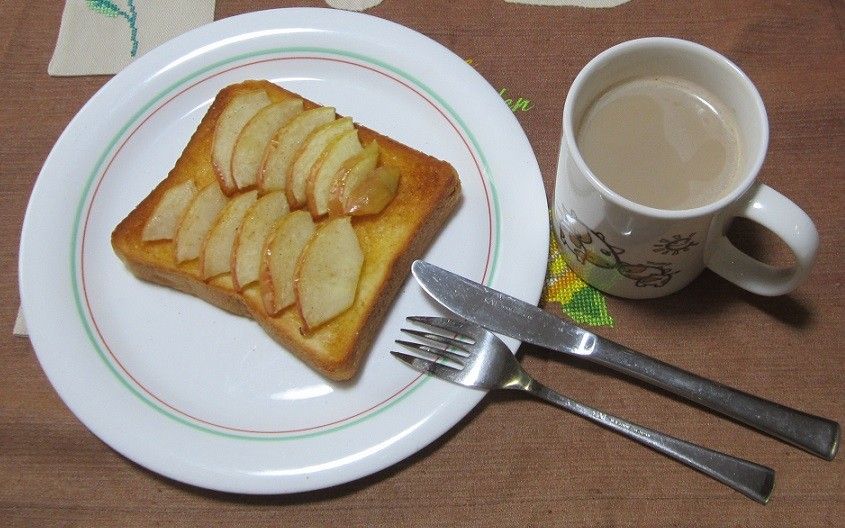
(779, 214)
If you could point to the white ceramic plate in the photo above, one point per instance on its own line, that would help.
(205, 397)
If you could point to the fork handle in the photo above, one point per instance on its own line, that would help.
(750, 479)
(814, 434)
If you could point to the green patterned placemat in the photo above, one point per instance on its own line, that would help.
(577, 299)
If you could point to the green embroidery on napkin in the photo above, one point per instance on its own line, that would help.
(110, 9)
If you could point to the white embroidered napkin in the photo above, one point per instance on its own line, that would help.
(577, 3)
(353, 5)
(20, 325)
(361, 5)
(103, 36)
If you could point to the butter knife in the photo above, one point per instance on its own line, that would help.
(513, 317)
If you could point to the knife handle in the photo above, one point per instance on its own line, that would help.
(814, 434)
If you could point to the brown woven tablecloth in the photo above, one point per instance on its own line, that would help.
(513, 461)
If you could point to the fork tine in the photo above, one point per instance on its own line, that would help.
(454, 326)
(439, 339)
(439, 352)
(426, 365)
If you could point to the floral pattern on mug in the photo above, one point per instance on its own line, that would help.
(675, 245)
(592, 247)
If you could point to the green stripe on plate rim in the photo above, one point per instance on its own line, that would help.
(155, 100)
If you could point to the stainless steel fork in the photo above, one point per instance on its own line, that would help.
(474, 357)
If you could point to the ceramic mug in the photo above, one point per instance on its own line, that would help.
(637, 251)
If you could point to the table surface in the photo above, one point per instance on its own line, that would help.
(512, 461)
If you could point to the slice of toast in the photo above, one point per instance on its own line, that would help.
(428, 191)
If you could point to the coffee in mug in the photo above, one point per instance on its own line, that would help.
(662, 143)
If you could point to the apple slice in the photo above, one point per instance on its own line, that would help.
(327, 273)
(163, 223)
(284, 245)
(197, 221)
(231, 121)
(319, 184)
(307, 155)
(254, 138)
(250, 237)
(349, 174)
(216, 256)
(373, 192)
(285, 143)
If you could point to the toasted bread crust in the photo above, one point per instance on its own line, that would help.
(429, 190)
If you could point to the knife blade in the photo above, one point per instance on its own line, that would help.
(500, 312)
